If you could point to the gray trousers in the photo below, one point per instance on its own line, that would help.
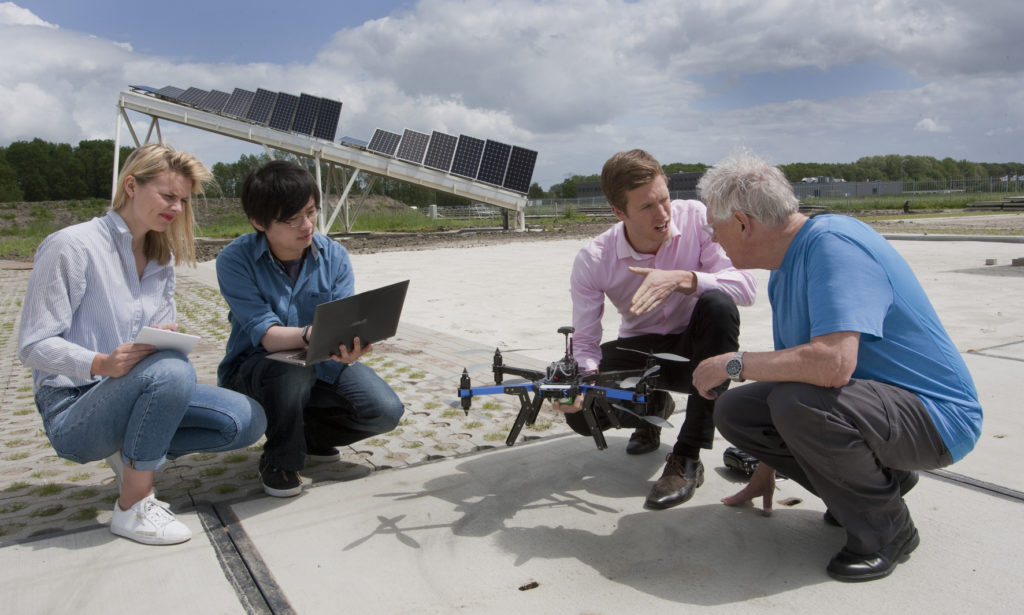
(840, 444)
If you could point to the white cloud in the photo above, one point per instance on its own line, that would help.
(929, 125)
(577, 80)
(13, 15)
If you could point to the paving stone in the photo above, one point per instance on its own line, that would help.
(41, 493)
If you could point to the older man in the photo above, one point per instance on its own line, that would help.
(864, 385)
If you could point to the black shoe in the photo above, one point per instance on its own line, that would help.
(851, 567)
(907, 479)
(647, 439)
(644, 440)
(326, 455)
(280, 483)
(680, 479)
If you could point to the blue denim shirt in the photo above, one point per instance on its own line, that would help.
(260, 294)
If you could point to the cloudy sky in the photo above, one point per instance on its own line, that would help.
(575, 80)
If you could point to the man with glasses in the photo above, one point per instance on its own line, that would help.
(676, 292)
(272, 280)
(864, 386)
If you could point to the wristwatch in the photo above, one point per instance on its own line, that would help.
(735, 367)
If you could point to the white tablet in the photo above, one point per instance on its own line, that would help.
(167, 340)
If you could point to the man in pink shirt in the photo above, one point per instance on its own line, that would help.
(676, 291)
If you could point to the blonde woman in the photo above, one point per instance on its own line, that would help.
(93, 287)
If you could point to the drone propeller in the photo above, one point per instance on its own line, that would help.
(657, 421)
(632, 381)
(664, 356)
(487, 351)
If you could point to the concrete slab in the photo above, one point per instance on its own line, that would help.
(1002, 432)
(93, 571)
(558, 527)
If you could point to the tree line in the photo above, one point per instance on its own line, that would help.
(38, 170)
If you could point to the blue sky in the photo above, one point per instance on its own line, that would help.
(215, 30)
(575, 80)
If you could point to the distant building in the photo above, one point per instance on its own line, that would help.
(684, 186)
(680, 186)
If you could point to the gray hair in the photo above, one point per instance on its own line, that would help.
(744, 182)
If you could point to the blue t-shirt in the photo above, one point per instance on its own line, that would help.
(840, 275)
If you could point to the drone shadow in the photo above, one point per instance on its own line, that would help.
(562, 498)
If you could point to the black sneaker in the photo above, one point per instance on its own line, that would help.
(326, 455)
(280, 483)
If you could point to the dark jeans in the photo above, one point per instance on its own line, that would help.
(304, 412)
(840, 444)
(714, 329)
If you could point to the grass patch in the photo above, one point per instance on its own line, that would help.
(85, 514)
(16, 486)
(50, 489)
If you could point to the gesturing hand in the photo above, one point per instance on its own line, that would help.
(657, 286)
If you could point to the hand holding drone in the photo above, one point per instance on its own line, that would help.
(563, 382)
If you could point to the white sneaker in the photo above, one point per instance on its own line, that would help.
(150, 522)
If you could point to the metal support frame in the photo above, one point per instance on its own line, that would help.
(334, 154)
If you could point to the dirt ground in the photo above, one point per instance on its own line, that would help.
(996, 223)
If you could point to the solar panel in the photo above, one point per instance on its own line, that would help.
(440, 151)
(144, 88)
(494, 162)
(284, 111)
(239, 103)
(520, 169)
(305, 114)
(214, 101)
(193, 96)
(384, 142)
(169, 91)
(467, 156)
(262, 104)
(327, 114)
(413, 146)
(353, 142)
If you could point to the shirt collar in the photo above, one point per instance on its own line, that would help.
(623, 250)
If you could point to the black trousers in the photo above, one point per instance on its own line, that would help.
(714, 329)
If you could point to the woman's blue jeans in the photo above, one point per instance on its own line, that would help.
(155, 411)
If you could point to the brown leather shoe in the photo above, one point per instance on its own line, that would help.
(680, 479)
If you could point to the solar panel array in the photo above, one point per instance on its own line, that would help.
(306, 114)
(492, 162)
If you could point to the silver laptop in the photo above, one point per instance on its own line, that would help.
(371, 316)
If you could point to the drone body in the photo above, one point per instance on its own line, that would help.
(563, 382)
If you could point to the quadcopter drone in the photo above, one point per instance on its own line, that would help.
(562, 381)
